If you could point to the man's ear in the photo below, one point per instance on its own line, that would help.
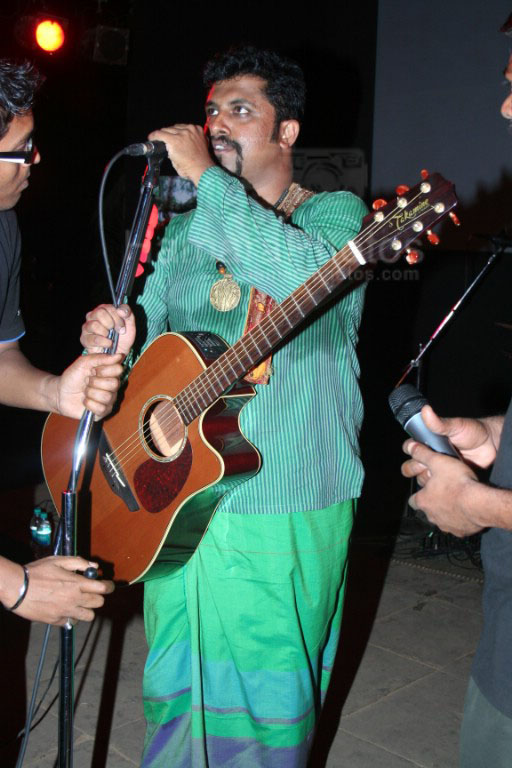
(288, 132)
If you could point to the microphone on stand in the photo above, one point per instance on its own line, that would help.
(406, 403)
(156, 149)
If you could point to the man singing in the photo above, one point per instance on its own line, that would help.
(242, 640)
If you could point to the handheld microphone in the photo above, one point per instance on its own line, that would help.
(406, 403)
(156, 149)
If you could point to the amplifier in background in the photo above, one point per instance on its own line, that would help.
(330, 169)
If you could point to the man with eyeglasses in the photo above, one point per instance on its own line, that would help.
(16, 159)
(48, 590)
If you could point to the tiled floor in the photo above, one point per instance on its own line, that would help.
(397, 692)
(404, 705)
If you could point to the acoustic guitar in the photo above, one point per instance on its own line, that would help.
(158, 467)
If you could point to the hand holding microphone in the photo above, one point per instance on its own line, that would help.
(187, 148)
(445, 485)
(185, 145)
(406, 403)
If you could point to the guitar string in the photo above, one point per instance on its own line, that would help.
(197, 389)
(191, 398)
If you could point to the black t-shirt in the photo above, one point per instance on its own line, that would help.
(492, 667)
(11, 321)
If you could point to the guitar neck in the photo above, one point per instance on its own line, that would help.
(255, 345)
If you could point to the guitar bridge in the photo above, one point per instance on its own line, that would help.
(114, 475)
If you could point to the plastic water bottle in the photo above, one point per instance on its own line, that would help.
(34, 523)
(44, 535)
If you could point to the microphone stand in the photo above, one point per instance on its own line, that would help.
(423, 348)
(69, 496)
(502, 244)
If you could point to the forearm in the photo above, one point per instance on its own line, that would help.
(486, 506)
(11, 580)
(24, 386)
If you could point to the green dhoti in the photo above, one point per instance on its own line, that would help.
(242, 641)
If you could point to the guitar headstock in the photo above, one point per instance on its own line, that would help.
(393, 226)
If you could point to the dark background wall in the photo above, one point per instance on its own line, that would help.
(412, 84)
(438, 89)
(437, 92)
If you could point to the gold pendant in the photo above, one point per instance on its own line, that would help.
(225, 294)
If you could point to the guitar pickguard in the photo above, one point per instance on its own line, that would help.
(158, 483)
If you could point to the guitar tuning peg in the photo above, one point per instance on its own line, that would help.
(424, 174)
(454, 218)
(412, 256)
(402, 189)
(380, 203)
(432, 237)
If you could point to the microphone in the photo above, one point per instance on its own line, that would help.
(156, 149)
(406, 403)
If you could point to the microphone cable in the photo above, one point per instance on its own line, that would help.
(101, 222)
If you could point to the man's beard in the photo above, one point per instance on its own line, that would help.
(238, 149)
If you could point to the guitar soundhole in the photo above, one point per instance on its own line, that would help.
(162, 431)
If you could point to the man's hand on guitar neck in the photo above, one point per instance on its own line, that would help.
(100, 321)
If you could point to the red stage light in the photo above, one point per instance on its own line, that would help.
(50, 35)
(41, 32)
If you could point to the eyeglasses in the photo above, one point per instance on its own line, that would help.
(25, 156)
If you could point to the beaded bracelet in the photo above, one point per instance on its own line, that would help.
(23, 590)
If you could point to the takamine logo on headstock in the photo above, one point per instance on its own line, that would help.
(393, 226)
(401, 218)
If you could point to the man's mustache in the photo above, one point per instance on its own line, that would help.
(227, 143)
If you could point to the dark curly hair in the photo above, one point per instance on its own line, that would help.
(285, 86)
(18, 85)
